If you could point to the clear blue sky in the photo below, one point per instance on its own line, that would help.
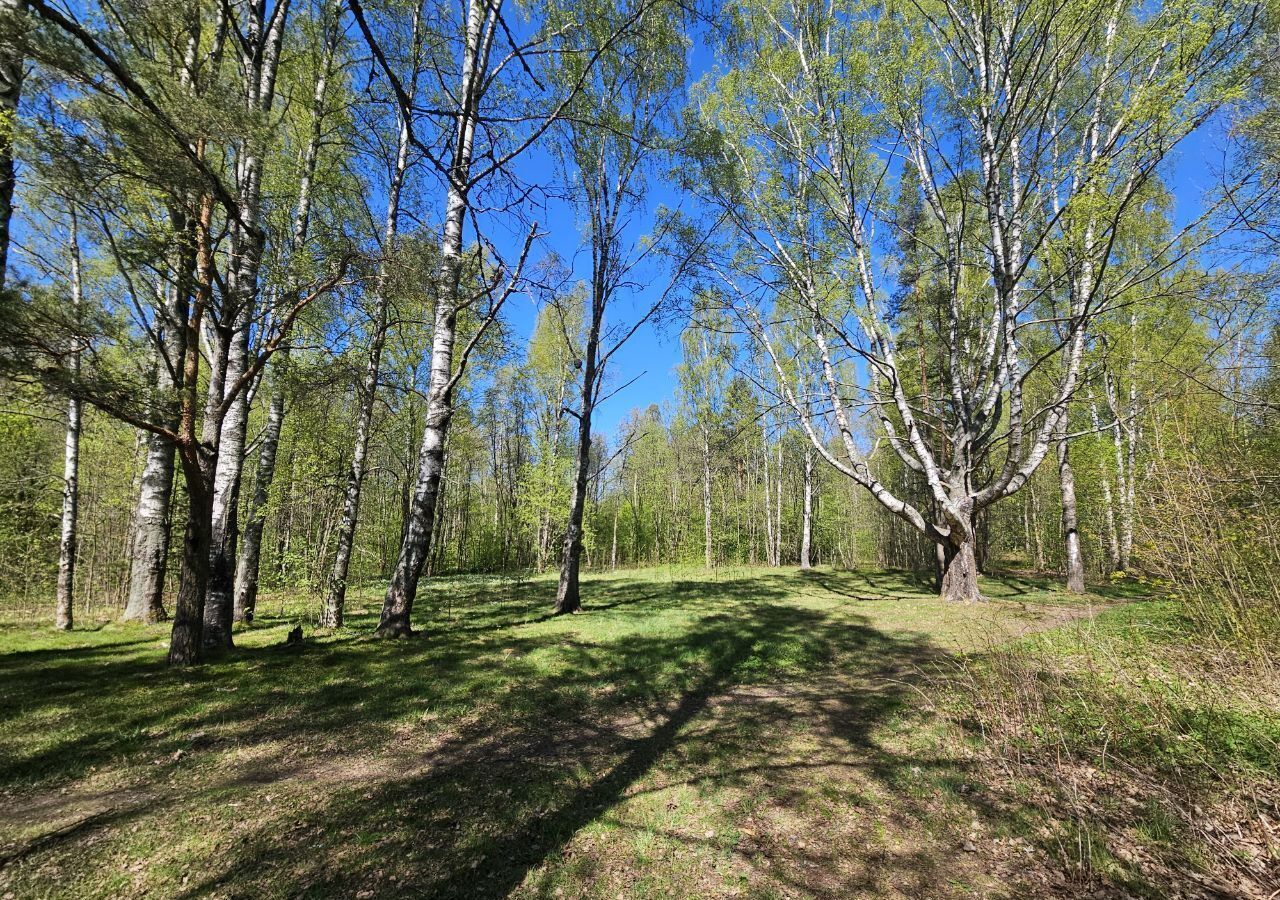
(1191, 172)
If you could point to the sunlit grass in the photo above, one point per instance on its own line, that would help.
(693, 733)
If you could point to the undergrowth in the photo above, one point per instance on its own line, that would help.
(1153, 752)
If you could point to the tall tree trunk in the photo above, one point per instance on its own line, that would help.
(806, 528)
(1070, 522)
(708, 546)
(247, 567)
(11, 74)
(397, 606)
(225, 501)
(149, 559)
(568, 595)
(260, 58)
(332, 613)
(71, 460)
(197, 457)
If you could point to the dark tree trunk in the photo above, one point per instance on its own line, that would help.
(1070, 523)
(568, 597)
(959, 581)
(247, 566)
(187, 641)
(225, 525)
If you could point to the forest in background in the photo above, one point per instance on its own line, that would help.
(944, 563)
(264, 252)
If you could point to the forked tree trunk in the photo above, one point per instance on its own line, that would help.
(1070, 521)
(259, 60)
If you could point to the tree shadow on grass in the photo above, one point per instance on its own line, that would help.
(506, 794)
(466, 762)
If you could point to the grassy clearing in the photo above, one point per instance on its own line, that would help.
(755, 733)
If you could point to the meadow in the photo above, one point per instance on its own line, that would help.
(737, 732)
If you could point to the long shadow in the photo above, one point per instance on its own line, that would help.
(504, 796)
(527, 754)
(132, 703)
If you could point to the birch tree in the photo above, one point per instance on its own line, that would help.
(71, 456)
(247, 563)
(1031, 131)
(480, 139)
(615, 126)
(257, 34)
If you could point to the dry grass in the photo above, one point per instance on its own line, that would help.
(1151, 756)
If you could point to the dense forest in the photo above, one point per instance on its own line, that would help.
(648, 448)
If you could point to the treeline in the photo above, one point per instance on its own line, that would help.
(938, 303)
(1148, 482)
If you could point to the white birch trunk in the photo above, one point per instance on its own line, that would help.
(71, 460)
(331, 615)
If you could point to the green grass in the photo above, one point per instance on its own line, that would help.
(741, 732)
(1141, 743)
